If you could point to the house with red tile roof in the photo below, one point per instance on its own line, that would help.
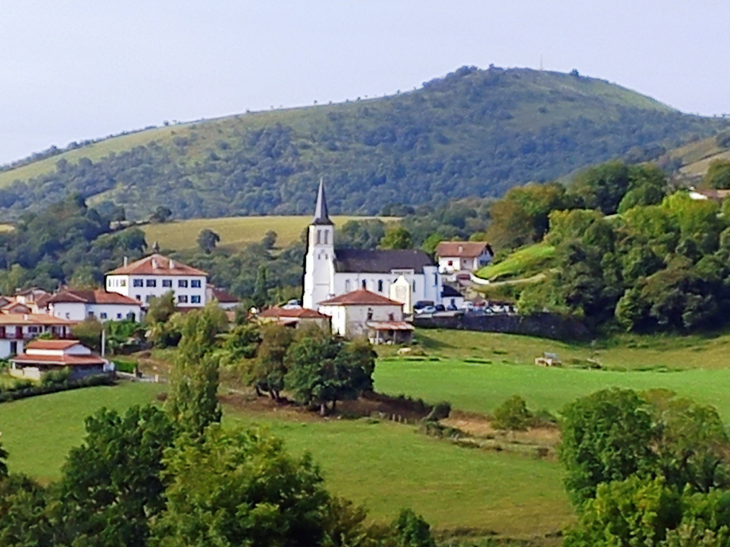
(463, 256)
(17, 329)
(78, 305)
(42, 356)
(363, 312)
(155, 275)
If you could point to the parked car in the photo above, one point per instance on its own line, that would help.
(428, 310)
(440, 307)
(418, 306)
(467, 306)
(452, 307)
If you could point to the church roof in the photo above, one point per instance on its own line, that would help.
(321, 216)
(380, 261)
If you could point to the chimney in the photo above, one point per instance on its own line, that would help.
(172, 264)
(154, 263)
(125, 261)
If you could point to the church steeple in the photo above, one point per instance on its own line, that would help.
(321, 216)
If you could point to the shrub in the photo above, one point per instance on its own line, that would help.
(512, 415)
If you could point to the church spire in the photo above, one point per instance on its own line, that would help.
(321, 217)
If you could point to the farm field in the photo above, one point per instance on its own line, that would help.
(385, 466)
(39, 431)
(620, 352)
(235, 232)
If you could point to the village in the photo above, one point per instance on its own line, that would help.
(350, 292)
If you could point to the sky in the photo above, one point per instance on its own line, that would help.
(72, 70)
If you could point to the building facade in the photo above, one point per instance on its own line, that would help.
(16, 330)
(78, 305)
(155, 275)
(330, 273)
(463, 256)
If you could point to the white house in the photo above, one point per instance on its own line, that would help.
(363, 312)
(154, 276)
(458, 256)
(330, 273)
(18, 329)
(78, 305)
(225, 300)
(41, 356)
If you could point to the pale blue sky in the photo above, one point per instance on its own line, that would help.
(77, 69)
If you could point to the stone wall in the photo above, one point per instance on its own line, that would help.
(544, 325)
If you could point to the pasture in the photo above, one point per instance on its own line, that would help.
(235, 232)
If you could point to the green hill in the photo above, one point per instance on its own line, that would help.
(692, 160)
(473, 132)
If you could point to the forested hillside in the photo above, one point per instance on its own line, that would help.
(472, 133)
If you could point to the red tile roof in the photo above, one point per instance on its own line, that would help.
(390, 325)
(157, 264)
(33, 319)
(360, 297)
(222, 296)
(462, 249)
(60, 360)
(298, 313)
(97, 296)
(51, 344)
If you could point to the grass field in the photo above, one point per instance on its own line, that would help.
(390, 466)
(524, 262)
(39, 431)
(235, 232)
(385, 466)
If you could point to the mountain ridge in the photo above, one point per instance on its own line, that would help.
(472, 132)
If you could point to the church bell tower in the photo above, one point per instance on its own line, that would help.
(319, 264)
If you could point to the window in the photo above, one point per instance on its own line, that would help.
(435, 279)
(195, 283)
(109, 283)
(451, 262)
(102, 315)
(380, 285)
(182, 299)
(68, 316)
(182, 283)
(36, 330)
(151, 282)
(167, 283)
(364, 284)
(319, 237)
(119, 316)
(91, 314)
(326, 236)
(195, 299)
(138, 297)
(347, 285)
(123, 283)
(137, 283)
(414, 286)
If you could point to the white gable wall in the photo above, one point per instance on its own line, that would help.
(193, 297)
(78, 311)
(351, 320)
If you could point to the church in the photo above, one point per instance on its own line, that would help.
(407, 276)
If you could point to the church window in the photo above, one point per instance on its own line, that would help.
(414, 286)
(364, 284)
(435, 279)
(326, 237)
(319, 237)
(380, 285)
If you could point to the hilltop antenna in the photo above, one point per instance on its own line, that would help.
(540, 63)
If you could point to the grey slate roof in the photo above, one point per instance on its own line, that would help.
(380, 261)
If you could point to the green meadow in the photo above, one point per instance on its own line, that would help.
(235, 232)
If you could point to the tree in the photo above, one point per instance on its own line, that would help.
(717, 174)
(161, 308)
(192, 402)
(240, 487)
(260, 294)
(606, 436)
(112, 486)
(268, 370)
(269, 240)
(323, 369)
(208, 240)
(88, 332)
(26, 517)
(161, 214)
(411, 530)
(396, 238)
(512, 415)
